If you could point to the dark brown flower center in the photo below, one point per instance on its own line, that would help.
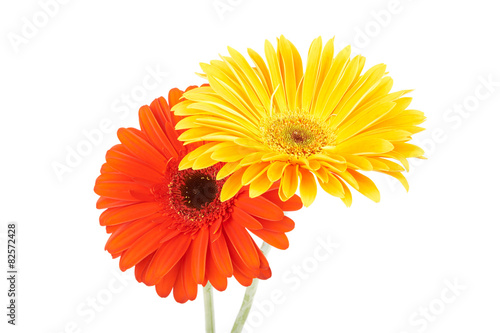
(191, 198)
(198, 190)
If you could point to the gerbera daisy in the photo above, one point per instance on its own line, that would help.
(170, 224)
(277, 120)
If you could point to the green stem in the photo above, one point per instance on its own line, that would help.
(246, 306)
(209, 308)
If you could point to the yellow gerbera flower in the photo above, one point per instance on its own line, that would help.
(277, 121)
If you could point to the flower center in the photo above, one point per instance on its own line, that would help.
(295, 133)
(299, 136)
(191, 198)
(199, 189)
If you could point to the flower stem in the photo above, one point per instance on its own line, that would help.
(209, 308)
(246, 306)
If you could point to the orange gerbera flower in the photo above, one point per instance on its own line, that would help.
(171, 224)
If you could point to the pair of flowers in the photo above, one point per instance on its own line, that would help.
(215, 163)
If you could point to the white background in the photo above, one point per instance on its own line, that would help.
(393, 258)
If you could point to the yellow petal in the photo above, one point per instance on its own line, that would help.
(227, 169)
(358, 162)
(194, 133)
(335, 83)
(261, 69)
(275, 170)
(247, 92)
(289, 77)
(274, 156)
(311, 72)
(363, 121)
(386, 134)
(334, 161)
(224, 90)
(230, 126)
(349, 179)
(399, 176)
(365, 146)
(187, 122)
(251, 76)
(259, 186)
(369, 101)
(201, 150)
(276, 79)
(297, 64)
(378, 164)
(217, 107)
(182, 108)
(186, 163)
(366, 186)
(253, 171)
(404, 119)
(347, 199)
(308, 187)
(252, 158)
(231, 153)
(389, 165)
(322, 173)
(290, 181)
(382, 89)
(408, 150)
(232, 185)
(281, 193)
(361, 65)
(246, 142)
(355, 95)
(204, 161)
(333, 186)
(399, 157)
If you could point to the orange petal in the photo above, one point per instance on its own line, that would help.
(285, 225)
(216, 277)
(242, 243)
(140, 268)
(220, 255)
(164, 287)
(265, 271)
(199, 255)
(142, 149)
(119, 215)
(292, 204)
(127, 234)
(161, 110)
(156, 135)
(276, 239)
(244, 219)
(166, 257)
(144, 246)
(104, 202)
(132, 167)
(259, 206)
(180, 292)
(243, 279)
(189, 281)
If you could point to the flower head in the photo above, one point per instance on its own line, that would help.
(171, 224)
(280, 121)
